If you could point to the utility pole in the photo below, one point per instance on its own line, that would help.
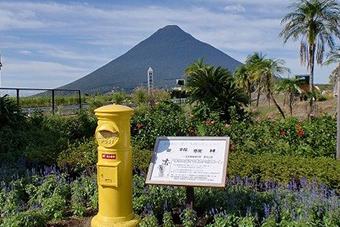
(338, 116)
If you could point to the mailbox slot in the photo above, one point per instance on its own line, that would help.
(107, 134)
(108, 175)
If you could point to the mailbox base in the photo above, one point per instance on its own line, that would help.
(100, 221)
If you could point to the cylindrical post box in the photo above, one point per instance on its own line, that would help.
(114, 168)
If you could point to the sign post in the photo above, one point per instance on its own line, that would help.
(189, 161)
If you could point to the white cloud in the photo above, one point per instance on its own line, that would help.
(70, 36)
(38, 74)
(238, 8)
(25, 52)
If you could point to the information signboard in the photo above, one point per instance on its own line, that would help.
(189, 161)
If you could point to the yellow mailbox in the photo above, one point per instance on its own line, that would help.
(114, 168)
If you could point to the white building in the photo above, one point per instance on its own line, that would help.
(150, 78)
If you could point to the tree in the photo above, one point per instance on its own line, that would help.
(245, 76)
(316, 22)
(291, 86)
(268, 70)
(215, 88)
(251, 62)
(195, 66)
(244, 80)
(334, 57)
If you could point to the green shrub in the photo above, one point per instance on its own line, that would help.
(166, 119)
(139, 96)
(54, 134)
(263, 167)
(79, 156)
(29, 218)
(51, 195)
(168, 220)
(97, 101)
(10, 113)
(225, 221)
(84, 195)
(141, 160)
(118, 97)
(188, 218)
(149, 220)
(283, 169)
(321, 97)
(155, 197)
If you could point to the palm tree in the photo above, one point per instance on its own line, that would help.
(268, 70)
(291, 86)
(252, 61)
(195, 66)
(244, 80)
(316, 22)
(334, 57)
(215, 88)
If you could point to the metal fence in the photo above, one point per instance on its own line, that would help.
(23, 94)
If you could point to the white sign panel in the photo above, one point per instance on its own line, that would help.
(189, 161)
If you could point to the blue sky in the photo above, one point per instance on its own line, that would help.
(51, 43)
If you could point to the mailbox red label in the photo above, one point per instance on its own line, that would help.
(109, 156)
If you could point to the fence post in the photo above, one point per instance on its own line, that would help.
(18, 97)
(52, 101)
(79, 95)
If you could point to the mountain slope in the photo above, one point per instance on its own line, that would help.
(169, 51)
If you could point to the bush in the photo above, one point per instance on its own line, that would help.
(168, 220)
(52, 195)
(84, 195)
(154, 198)
(79, 157)
(10, 113)
(139, 96)
(29, 218)
(284, 168)
(118, 97)
(189, 218)
(149, 221)
(166, 119)
(214, 88)
(263, 167)
(141, 160)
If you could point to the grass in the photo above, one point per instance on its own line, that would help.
(300, 108)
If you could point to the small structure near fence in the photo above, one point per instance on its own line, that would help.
(45, 92)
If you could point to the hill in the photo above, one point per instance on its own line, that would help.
(169, 51)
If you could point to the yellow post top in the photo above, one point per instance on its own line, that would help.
(113, 110)
(113, 131)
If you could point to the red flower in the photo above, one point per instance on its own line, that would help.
(139, 125)
(232, 147)
(282, 132)
(301, 132)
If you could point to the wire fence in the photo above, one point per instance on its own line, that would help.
(30, 100)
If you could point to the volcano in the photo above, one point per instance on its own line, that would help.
(169, 51)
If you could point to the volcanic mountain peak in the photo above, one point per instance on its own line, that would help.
(169, 51)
